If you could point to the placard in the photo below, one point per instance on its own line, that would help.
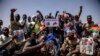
(87, 46)
(51, 22)
(20, 35)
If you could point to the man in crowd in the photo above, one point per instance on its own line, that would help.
(31, 47)
(78, 23)
(89, 23)
(70, 45)
(5, 40)
(29, 21)
(23, 22)
(14, 21)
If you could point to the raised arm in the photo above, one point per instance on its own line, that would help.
(27, 48)
(80, 11)
(40, 14)
(56, 13)
(12, 14)
(3, 46)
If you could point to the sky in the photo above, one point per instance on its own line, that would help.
(29, 7)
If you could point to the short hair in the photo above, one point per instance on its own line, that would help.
(24, 15)
(17, 15)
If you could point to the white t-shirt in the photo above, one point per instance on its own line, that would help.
(25, 26)
(4, 39)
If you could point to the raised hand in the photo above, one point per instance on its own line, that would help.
(81, 7)
(57, 12)
(38, 11)
(80, 11)
(13, 10)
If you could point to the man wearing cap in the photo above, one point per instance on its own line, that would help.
(89, 23)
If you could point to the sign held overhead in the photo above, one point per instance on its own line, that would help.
(52, 22)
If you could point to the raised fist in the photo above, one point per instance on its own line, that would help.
(38, 11)
(57, 11)
(13, 10)
(81, 7)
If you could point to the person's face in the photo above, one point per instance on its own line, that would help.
(6, 32)
(71, 35)
(29, 19)
(50, 46)
(89, 20)
(64, 12)
(17, 17)
(33, 19)
(24, 17)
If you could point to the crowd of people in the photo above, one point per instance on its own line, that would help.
(29, 36)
